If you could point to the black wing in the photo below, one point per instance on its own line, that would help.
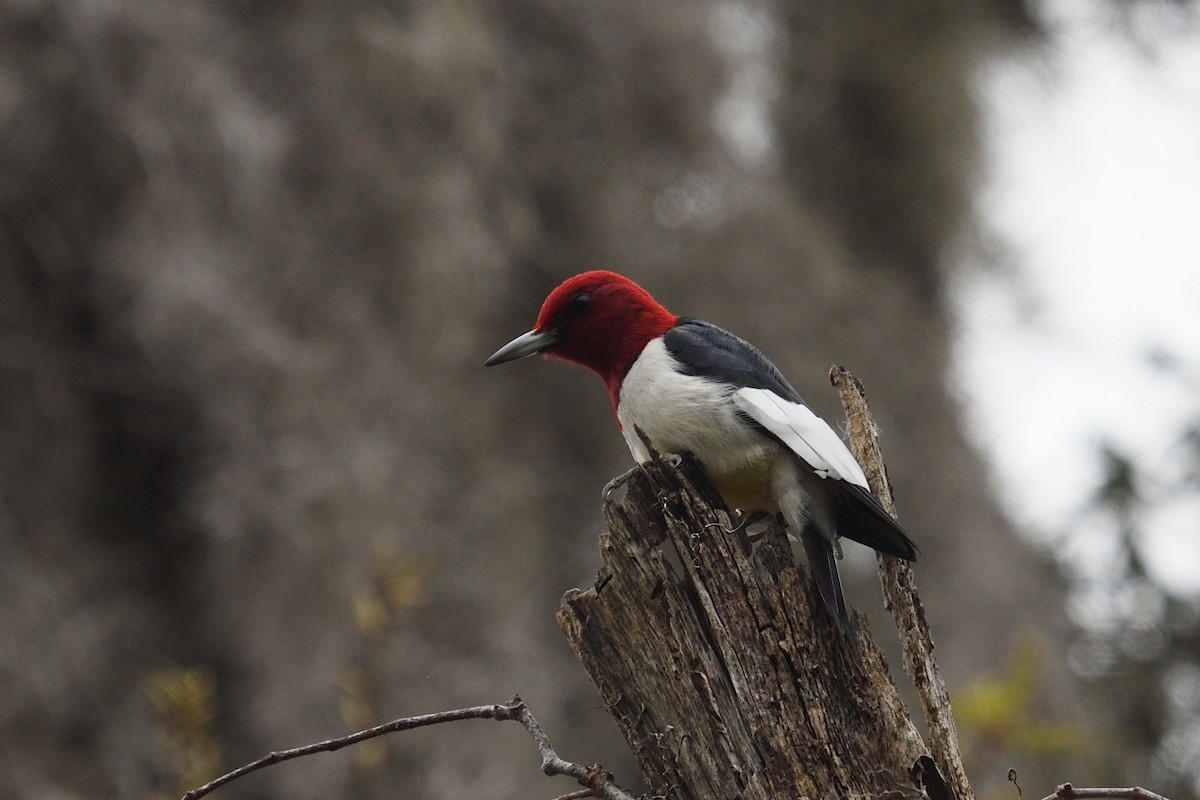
(708, 351)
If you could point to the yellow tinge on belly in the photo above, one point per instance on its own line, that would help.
(748, 488)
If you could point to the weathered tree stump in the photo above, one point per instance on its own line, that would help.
(721, 666)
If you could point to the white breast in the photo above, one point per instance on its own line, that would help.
(684, 413)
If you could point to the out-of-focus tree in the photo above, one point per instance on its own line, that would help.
(1136, 641)
(257, 487)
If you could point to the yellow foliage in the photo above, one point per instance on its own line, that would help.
(403, 583)
(397, 585)
(186, 701)
(1001, 709)
(370, 614)
(357, 714)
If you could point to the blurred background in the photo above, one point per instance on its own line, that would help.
(256, 488)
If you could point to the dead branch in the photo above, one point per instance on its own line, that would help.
(1068, 792)
(596, 781)
(578, 795)
(900, 593)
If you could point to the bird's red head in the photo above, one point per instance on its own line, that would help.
(599, 319)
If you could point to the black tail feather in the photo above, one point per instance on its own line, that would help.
(822, 562)
(861, 518)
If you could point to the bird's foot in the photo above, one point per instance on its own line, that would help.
(744, 521)
(615, 483)
(753, 518)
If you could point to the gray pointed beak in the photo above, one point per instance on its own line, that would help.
(527, 344)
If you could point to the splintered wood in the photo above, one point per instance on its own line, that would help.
(719, 663)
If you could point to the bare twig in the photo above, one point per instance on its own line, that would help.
(1067, 791)
(900, 594)
(596, 781)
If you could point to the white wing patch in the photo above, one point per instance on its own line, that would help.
(806, 434)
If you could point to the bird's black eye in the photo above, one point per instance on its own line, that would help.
(580, 303)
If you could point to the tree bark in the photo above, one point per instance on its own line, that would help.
(722, 668)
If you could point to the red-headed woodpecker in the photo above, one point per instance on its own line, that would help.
(693, 387)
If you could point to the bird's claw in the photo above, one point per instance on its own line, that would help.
(752, 518)
(744, 521)
(674, 459)
(615, 484)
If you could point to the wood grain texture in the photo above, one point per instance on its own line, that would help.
(719, 663)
